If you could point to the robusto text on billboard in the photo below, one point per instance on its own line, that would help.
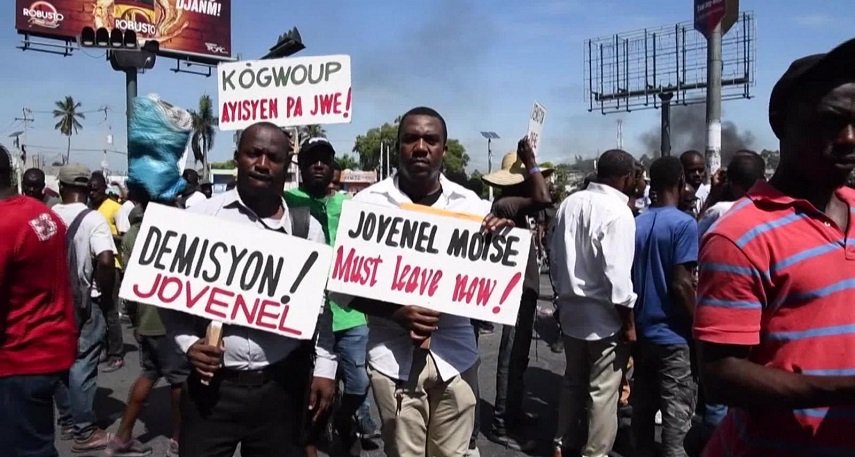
(199, 28)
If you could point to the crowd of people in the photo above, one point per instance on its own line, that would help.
(728, 301)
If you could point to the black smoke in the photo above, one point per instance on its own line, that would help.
(689, 131)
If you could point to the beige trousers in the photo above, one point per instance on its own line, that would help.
(590, 394)
(425, 416)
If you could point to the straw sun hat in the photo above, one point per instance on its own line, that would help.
(513, 172)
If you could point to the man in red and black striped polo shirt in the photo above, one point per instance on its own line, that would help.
(776, 305)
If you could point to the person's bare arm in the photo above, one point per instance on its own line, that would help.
(105, 273)
(732, 379)
(682, 287)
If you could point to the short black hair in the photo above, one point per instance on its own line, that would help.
(665, 173)
(424, 111)
(690, 153)
(35, 174)
(746, 168)
(191, 176)
(97, 176)
(615, 163)
(5, 168)
(259, 125)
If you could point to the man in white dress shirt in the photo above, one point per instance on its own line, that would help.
(423, 364)
(592, 251)
(257, 381)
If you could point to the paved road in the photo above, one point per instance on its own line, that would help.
(543, 380)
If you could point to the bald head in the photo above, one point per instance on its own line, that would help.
(254, 129)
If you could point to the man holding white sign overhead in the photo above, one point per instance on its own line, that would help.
(256, 376)
(423, 363)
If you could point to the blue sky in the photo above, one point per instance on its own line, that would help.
(480, 63)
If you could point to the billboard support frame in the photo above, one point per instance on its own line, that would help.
(48, 47)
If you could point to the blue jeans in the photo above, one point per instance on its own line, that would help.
(351, 346)
(75, 397)
(26, 415)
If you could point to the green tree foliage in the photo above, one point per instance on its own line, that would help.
(202, 141)
(225, 165)
(68, 113)
(312, 131)
(367, 148)
(347, 162)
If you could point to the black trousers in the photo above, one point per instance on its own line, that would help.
(264, 416)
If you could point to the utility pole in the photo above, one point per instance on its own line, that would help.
(713, 149)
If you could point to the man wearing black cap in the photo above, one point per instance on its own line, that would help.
(777, 279)
(317, 167)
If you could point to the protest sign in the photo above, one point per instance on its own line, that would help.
(431, 260)
(288, 91)
(535, 126)
(227, 271)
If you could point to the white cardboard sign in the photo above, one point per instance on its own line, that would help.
(535, 126)
(435, 261)
(227, 271)
(288, 91)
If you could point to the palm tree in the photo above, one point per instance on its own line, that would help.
(312, 131)
(69, 115)
(203, 132)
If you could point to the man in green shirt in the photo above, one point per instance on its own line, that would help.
(159, 357)
(317, 163)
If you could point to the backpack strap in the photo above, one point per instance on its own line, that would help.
(300, 218)
(74, 227)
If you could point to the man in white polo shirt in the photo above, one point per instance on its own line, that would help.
(426, 396)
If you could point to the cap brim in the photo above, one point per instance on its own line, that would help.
(505, 178)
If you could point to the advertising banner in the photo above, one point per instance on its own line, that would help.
(196, 28)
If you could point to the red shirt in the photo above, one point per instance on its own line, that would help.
(779, 275)
(38, 334)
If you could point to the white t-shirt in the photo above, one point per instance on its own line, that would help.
(702, 194)
(712, 214)
(92, 238)
(122, 222)
(197, 197)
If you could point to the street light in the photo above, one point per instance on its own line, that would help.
(490, 136)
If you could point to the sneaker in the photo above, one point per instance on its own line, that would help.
(66, 432)
(172, 450)
(474, 452)
(131, 448)
(99, 439)
(113, 364)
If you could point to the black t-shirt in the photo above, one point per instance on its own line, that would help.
(509, 208)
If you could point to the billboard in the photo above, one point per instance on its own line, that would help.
(199, 29)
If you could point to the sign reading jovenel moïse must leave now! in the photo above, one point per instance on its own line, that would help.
(229, 272)
(288, 91)
(436, 261)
